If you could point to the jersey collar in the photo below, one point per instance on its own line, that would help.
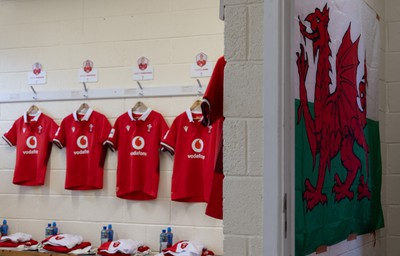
(37, 115)
(85, 117)
(190, 116)
(143, 117)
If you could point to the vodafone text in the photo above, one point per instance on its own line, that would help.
(81, 152)
(197, 156)
(138, 153)
(31, 152)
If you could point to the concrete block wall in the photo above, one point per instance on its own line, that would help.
(113, 34)
(243, 128)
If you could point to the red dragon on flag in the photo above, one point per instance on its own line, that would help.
(339, 117)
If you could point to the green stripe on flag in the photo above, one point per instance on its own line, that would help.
(331, 223)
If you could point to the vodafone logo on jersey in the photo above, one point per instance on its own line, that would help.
(31, 142)
(82, 142)
(197, 146)
(138, 144)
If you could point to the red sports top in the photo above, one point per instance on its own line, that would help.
(32, 136)
(137, 140)
(83, 137)
(212, 108)
(194, 160)
(213, 99)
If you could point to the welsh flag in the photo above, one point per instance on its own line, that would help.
(337, 147)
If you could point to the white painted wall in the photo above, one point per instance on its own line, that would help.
(113, 34)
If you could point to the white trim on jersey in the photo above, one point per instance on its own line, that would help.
(109, 144)
(85, 117)
(143, 117)
(208, 103)
(167, 147)
(36, 116)
(189, 115)
(8, 142)
(58, 143)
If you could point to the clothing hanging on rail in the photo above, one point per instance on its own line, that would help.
(212, 108)
(32, 135)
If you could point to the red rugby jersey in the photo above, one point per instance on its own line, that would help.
(32, 135)
(213, 99)
(83, 137)
(212, 108)
(194, 157)
(138, 142)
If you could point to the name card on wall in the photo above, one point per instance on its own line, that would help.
(143, 71)
(37, 75)
(87, 74)
(201, 68)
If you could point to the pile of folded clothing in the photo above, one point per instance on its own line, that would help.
(186, 248)
(18, 240)
(123, 247)
(66, 243)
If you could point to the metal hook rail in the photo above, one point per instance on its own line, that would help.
(101, 93)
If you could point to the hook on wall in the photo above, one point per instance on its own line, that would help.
(86, 90)
(200, 88)
(34, 92)
(141, 88)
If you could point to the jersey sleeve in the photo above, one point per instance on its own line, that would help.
(11, 136)
(105, 132)
(53, 127)
(169, 140)
(163, 129)
(60, 137)
(106, 129)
